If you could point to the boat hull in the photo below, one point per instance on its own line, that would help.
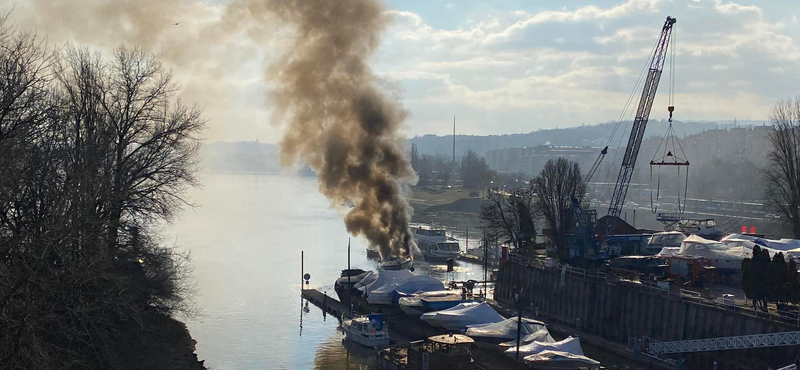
(404, 264)
(363, 338)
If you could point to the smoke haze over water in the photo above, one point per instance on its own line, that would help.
(318, 81)
(339, 122)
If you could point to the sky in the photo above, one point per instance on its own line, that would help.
(500, 67)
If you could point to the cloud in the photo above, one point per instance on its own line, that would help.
(504, 68)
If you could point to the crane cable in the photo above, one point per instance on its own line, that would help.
(670, 138)
(622, 114)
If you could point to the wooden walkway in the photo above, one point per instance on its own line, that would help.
(327, 304)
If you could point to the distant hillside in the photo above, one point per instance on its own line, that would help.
(587, 135)
(240, 156)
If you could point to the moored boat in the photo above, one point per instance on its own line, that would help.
(492, 335)
(369, 330)
(347, 280)
(434, 245)
(397, 263)
(414, 307)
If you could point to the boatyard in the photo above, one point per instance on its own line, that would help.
(399, 185)
(635, 297)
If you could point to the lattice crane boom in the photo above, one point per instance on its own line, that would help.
(640, 122)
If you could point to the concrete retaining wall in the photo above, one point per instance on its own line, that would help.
(618, 311)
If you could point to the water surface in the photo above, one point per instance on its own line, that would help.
(245, 238)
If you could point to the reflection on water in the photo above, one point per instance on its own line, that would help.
(245, 239)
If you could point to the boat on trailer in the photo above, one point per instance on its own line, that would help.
(368, 330)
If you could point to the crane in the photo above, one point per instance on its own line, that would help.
(640, 122)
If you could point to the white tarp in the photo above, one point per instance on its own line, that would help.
(366, 281)
(569, 345)
(463, 314)
(778, 245)
(560, 359)
(669, 251)
(385, 278)
(413, 284)
(504, 329)
(412, 305)
(541, 335)
(726, 254)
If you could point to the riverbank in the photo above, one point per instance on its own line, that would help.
(157, 342)
(455, 208)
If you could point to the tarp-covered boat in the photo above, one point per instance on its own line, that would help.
(558, 360)
(541, 335)
(414, 307)
(490, 335)
(458, 317)
(385, 278)
(390, 293)
(570, 345)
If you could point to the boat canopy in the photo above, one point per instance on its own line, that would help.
(463, 314)
(397, 288)
(504, 329)
(569, 345)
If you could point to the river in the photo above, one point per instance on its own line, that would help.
(245, 236)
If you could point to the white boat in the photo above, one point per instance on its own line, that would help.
(434, 245)
(369, 330)
(570, 345)
(390, 294)
(492, 335)
(462, 315)
(414, 306)
(397, 263)
(560, 360)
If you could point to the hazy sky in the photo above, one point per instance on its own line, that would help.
(500, 67)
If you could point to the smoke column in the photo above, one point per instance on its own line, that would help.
(338, 121)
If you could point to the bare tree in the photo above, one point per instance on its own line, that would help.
(91, 153)
(510, 215)
(557, 186)
(783, 169)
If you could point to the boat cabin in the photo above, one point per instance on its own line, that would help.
(442, 352)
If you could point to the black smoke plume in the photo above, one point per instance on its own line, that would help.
(339, 122)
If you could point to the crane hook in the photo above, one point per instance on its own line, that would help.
(670, 108)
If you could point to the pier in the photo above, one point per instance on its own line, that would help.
(325, 303)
